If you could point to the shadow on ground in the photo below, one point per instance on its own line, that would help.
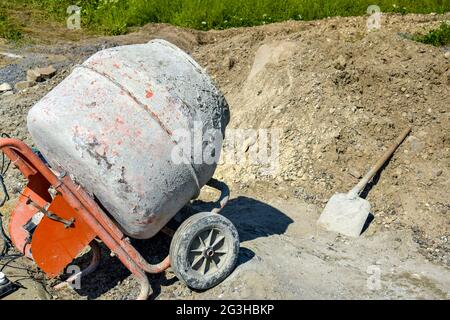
(252, 218)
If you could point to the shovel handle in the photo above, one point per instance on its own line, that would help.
(369, 175)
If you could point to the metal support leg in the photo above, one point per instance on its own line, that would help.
(29, 164)
(101, 218)
(89, 269)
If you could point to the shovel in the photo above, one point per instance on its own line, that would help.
(346, 213)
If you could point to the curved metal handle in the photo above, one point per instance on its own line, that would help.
(224, 193)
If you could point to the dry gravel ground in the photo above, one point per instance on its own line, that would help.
(338, 96)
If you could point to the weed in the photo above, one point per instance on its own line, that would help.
(437, 37)
(8, 29)
(115, 16)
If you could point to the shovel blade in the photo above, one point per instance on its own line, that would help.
(345, 214)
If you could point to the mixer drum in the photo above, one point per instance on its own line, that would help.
(113, 125)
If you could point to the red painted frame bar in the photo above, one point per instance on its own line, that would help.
(29, 164)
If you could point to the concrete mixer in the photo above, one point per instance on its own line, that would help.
(108, 134)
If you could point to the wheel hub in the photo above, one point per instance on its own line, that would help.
(208, 251)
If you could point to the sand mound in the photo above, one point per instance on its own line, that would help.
(339, 96)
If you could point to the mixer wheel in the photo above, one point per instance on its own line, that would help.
(204, 250)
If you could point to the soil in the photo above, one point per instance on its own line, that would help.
(338, 96)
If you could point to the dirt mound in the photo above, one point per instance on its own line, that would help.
(339, 96)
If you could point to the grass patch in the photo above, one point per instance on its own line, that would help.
(437, 37)
(115, 16)
(8, 29)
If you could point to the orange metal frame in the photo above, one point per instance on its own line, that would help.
(71, 201)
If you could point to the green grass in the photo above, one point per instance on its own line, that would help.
(116, 16)
(437, 37)
(8, 29)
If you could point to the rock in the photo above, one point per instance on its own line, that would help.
(416, 276)
(437, 172)
(397, 173)
(24, 84)
(8, 93)
(354, 173)
(340, 63)
(33, 75)
(41, 74)
(11, 55)
(230, 62)
(447, 55)
(5, 87)
(47, 72)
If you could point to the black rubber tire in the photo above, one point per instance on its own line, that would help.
(189, 230)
